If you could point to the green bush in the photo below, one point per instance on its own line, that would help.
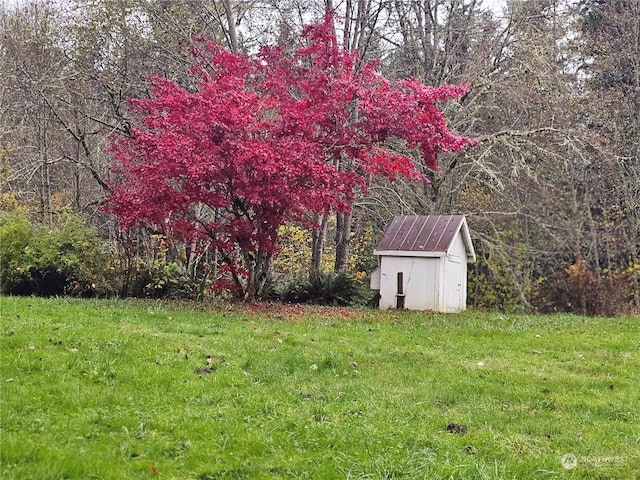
(492, 286)
(163, 279)
(324, 289)
(17, 255)
(153, 267)
(67, 258)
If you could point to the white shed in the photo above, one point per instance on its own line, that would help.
(423, 263)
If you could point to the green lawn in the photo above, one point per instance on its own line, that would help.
(118, 389)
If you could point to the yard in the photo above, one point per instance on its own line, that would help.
(138, 390)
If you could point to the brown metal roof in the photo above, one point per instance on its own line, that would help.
(433, 233)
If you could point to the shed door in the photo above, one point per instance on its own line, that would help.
(455, 287)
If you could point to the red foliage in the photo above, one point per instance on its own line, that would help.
(265, 141)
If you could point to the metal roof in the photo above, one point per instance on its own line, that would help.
(430, 235)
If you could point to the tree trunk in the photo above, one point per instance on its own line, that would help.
(343, 236)
(45, 175)
(258, 276)
(77, 202)
(231, 24)
(318, 237)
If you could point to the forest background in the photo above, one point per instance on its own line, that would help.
(552, 194)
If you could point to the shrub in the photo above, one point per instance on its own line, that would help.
(16, 250)
(324, 289)
(491, 285)
(163, 279)
(147, 265)
(580, 289)
(66, 258)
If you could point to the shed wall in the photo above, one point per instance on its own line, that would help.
(454, 281)
(421, 281)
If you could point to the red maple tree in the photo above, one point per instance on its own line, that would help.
(269, 140)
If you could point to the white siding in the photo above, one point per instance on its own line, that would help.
(454, 286)
(421, 278)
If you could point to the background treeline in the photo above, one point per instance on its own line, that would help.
(552, 195)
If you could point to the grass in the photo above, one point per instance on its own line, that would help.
(122, 390)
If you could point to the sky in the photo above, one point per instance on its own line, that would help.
(495, 5)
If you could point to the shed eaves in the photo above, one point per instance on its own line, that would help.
(412, 233)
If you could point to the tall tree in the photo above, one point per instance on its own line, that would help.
(610, 64)
(261, 142)
(33, 69)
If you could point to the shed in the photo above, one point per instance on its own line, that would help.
(423, 263)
